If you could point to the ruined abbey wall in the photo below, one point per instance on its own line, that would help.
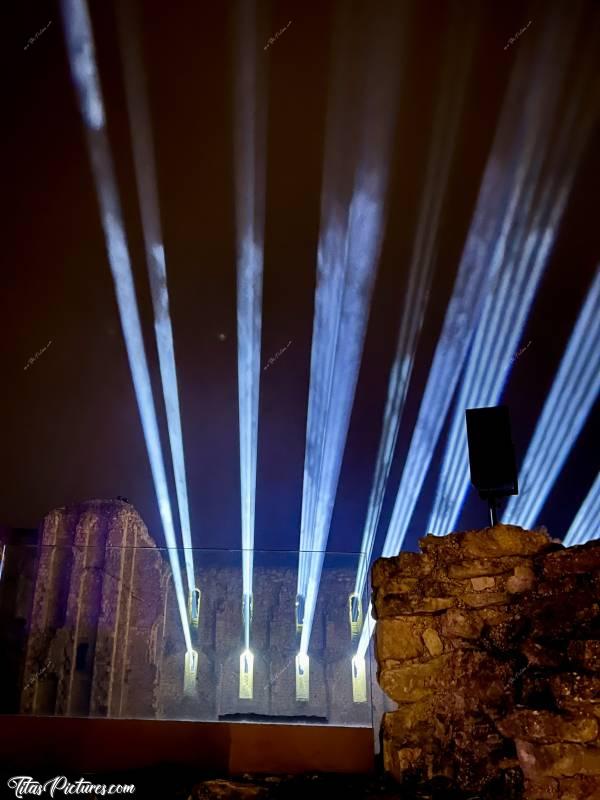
(489, 641)
(103, 636)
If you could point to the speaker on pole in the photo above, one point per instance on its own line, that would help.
(491, 455)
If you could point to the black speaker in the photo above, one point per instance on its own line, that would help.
(491, 452)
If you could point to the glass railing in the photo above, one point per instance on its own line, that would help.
(108, 632)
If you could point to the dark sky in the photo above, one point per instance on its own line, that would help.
(70, 424)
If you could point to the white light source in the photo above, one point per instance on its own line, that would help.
(359, 679)
(194, 607)
(190, 674)
(302, 677)
(2, 557)
(299, 613)
(79, 42)
(246, 675)
(355, 614)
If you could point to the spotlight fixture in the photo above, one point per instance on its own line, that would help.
(359, 679)
(302, 677)
(491, 455)
(246, 675)
(190, 673)
(355, 614)
(299, 610)
(194, 607)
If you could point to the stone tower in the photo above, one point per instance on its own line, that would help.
(98, 614)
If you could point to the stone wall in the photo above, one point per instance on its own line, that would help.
(100, 632)
(274, 642)
(489, 641)
(98, 604)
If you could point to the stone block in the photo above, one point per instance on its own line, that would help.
(549, 728)
(557, 760)
(583, 558)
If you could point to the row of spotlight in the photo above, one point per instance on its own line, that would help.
(302, 661)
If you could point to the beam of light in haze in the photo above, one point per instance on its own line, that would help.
(143, 152)
(250, 147)
(80, 48)
(498, 205)
(452, 87)
(570, 400)
(552, 164)
(586, 525)
(487, 245)
(347, 257)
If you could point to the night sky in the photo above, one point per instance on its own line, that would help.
(70, 423)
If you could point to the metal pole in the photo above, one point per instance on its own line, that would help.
(493, 511)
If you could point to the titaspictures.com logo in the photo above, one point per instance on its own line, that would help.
(25, 785)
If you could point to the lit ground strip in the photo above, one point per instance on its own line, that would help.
(352, 223)
(586, 525)
(250, 143)
(504, 183)
(451, 95)
(573, 393)
(552, 167)
(80, 50)
(143, 152)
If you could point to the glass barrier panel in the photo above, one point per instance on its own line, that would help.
(109, 632)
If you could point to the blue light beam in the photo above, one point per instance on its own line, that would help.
(586, 525)
(552, 167)
(499, 202)
(573, 393)
(352, 224)
(80, 49)
(250, 160)
(447, 115)
(143, 152)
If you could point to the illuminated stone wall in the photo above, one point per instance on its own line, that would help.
(104, 637)
(98, 606)
(489, 641)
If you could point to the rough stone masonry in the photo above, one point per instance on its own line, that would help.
(489, 642)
